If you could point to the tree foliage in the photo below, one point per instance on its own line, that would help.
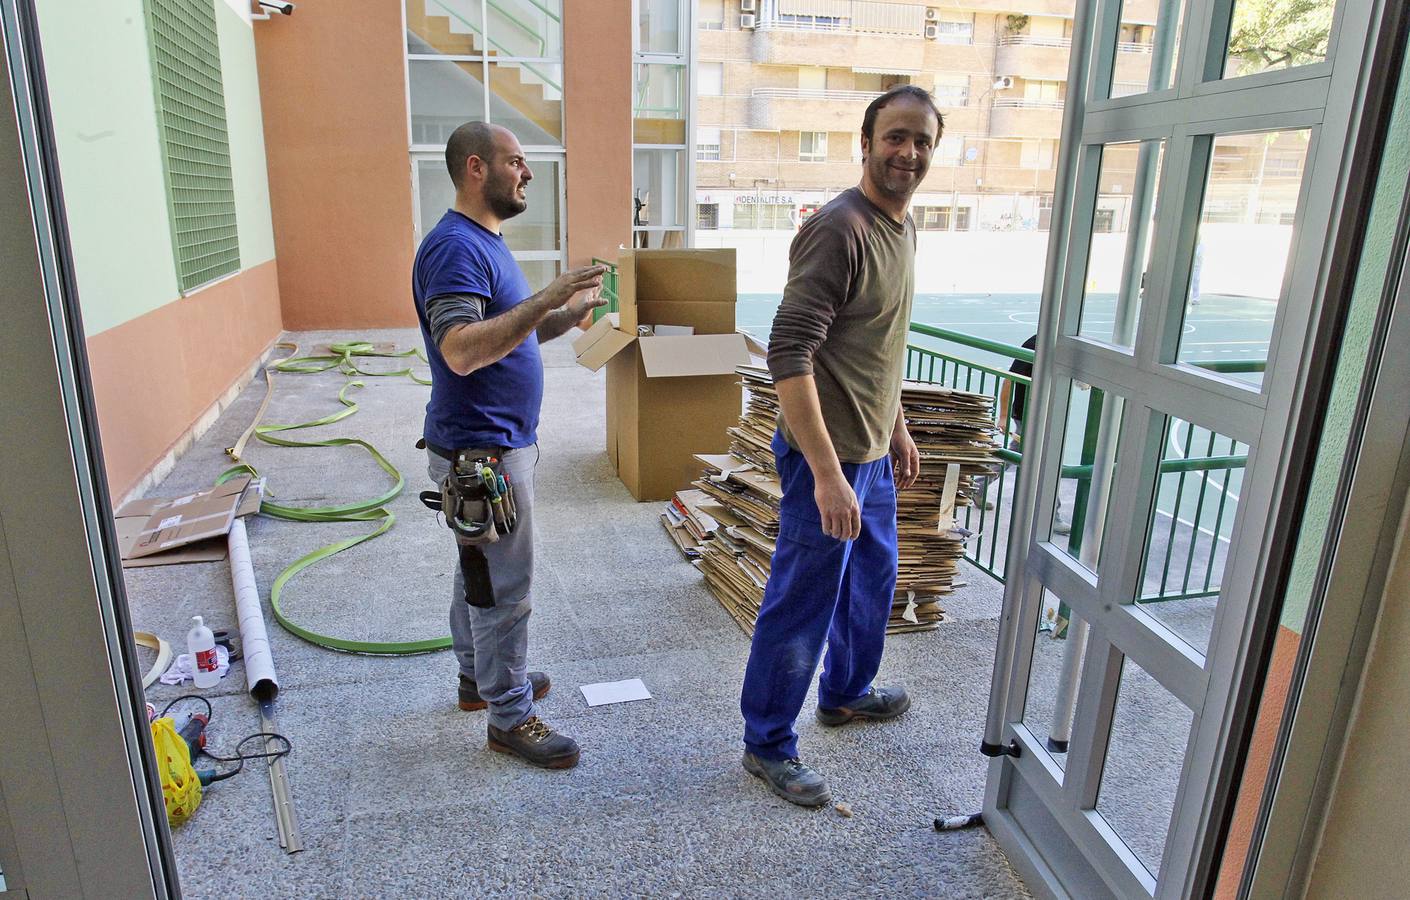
(1275, 34)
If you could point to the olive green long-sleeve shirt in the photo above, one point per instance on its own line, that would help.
(843, 320)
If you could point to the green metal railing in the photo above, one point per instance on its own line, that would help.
(1177, 575)
(609, 288)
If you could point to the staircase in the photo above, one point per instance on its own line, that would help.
(528, 90)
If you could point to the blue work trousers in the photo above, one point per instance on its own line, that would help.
(821, 592)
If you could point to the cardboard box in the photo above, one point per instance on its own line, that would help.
(668, 396)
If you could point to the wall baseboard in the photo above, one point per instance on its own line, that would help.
(162, 467)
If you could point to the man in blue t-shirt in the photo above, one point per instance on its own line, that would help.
(482, 327)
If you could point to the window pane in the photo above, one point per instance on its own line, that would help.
(1150, 730)
(1147, 52)
(1242, 250)
(659, 104)
(444, 95)
(659, 179)
(1187, 546)
(707, 142)
(711, 14)
(1052, 643)
(536, 228)
(434, 193)
(1089, 445)
(660, 26)
(951, 90)
(539, 272)
(531, 28)
(1277, 34)
(1121, 241)
(446, 27)
(527, 98)
(710, 78)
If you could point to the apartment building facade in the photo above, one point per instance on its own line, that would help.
(782, 85)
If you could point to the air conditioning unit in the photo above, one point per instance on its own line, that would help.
(748, 6)
(749, 21)
(932, 14)
(932, 31)
(1003, 82)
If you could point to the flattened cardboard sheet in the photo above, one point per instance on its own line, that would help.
(167, 524)
(701, 354)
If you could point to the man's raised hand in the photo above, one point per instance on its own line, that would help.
(562, 288)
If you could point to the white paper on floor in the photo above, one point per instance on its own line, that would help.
(615, 692)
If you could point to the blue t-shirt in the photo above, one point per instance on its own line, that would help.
(498, 405)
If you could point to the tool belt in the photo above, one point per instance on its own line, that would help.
(477, 500)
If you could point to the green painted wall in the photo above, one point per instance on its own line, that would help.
(99, 73)
(1370, 280)
(100, 88)
(242, 118)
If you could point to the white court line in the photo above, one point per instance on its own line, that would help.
(1228, 474)
(1188, 524)
(1258, 343)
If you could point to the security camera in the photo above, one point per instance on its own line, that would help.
(278, 6)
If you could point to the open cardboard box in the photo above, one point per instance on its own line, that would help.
(668, 397)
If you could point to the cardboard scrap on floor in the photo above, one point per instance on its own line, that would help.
(953, 431)
(192, 528)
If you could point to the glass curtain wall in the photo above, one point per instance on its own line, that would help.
(661, 122)
(498, 61)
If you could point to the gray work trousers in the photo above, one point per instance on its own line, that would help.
(492, 644)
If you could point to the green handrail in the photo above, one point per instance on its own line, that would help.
(1019, 353)
(609, 288)
(977, 343)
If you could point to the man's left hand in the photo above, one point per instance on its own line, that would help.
(905, 458)
(581, 305)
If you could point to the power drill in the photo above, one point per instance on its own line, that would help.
(192, 728)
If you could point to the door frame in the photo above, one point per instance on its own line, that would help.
(1324, 98)
(81, 798)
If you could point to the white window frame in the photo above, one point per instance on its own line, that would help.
(818, 153)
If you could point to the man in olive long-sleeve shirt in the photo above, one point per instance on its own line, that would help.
(836, 353)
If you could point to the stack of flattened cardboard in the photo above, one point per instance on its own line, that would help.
(953, 432)
(687, 524)
(743, 501)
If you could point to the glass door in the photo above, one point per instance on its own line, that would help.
(1200, 171)
(537, 236)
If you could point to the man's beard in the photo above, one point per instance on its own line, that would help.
(503, 199)
(891, 182)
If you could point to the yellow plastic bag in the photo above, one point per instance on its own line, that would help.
(181, 789)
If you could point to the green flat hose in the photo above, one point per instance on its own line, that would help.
(369, 510)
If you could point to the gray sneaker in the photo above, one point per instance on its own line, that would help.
(879, 703)
(790, 779)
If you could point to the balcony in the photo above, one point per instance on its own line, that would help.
(1029, 56)
(802, 109)
(1020, 117)
(885, 36)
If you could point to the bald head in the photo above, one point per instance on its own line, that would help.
(478, 139)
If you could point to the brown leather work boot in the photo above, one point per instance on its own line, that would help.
(536, 743)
